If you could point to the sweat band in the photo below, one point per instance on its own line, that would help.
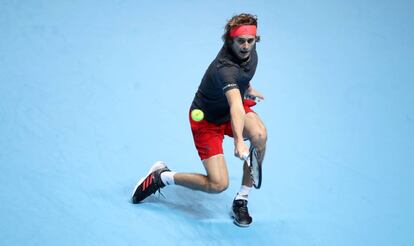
(243, 30)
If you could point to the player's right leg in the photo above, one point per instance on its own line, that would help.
(216, 179)
(208, 139)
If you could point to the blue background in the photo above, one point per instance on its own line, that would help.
(93, 92)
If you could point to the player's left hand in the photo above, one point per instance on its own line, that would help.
(253, 93)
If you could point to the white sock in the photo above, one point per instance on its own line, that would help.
(243, 193)
(168, 178)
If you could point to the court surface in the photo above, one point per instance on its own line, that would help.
(93, 92)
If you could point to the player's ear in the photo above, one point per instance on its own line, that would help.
(230, 41)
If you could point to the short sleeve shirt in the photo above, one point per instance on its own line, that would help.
(226, 72)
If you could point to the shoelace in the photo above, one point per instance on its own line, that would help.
(243, 209)
(160, 193)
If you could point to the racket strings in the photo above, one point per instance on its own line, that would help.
(252, 176)
(255, 168)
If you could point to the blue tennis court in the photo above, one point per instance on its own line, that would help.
(93, 92)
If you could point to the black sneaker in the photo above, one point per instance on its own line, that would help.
(150, 184)
(240, 213)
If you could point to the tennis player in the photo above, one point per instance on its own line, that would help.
(222, 96)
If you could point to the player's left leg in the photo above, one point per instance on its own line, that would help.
(255, 131)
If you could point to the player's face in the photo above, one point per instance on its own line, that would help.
(242, 46)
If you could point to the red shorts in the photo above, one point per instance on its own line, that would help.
(208, 137)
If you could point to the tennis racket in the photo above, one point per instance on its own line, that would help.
(254, 166)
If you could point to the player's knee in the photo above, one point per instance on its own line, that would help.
(217, 187)
(259, 138)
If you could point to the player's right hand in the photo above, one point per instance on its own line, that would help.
(240, 150)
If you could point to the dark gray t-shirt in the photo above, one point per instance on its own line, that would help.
(224, 73)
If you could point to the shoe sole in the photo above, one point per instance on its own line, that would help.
(157, 165)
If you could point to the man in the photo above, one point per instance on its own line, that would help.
(220, 97)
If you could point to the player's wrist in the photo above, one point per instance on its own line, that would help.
(238, 141)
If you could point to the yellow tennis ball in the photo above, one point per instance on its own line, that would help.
(197, 115)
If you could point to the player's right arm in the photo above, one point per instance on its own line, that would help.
(237, 114)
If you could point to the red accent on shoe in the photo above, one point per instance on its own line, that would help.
(144, 185)
(150, 180)
(147, 182)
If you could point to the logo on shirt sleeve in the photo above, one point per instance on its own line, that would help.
(229, 86)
